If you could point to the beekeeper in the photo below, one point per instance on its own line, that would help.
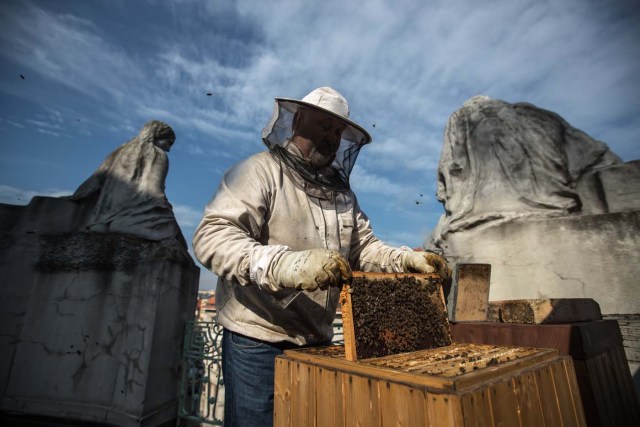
(285, 221)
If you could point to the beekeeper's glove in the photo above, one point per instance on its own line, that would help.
(426, 262)
(311, 269)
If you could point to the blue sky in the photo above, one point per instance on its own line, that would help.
(96, 71)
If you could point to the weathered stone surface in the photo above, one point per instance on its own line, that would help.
(92, 321)
(504, 161)
(553, 211)
(583, 256)
(129, 185)
(91, 324)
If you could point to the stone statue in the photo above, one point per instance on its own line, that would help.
(553, 211)
(129, 186)
(503, 161)
(96, 292)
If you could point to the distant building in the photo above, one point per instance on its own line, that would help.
(206, 306)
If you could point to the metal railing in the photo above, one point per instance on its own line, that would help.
(201, 395)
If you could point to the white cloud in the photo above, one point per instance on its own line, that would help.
(69, 50)
(18, 196)
(365, 181)
(403, 65)
(187, 216)
(418, 63)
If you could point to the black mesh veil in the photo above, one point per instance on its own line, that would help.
(278, 132)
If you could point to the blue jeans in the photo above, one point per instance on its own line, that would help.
(248, 367)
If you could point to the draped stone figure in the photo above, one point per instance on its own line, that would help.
(96, 292)
(130, 184)
(553, 211)
(503, 161)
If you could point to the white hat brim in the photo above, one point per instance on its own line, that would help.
(354, 129)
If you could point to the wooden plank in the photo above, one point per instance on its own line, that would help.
(504, 405)
(565, 395)
(572, 382)
(359, 368)
(535, 361)
(527, 396)
(361, 401)
(282, 393)
(329, 402)
(476, 409)
(555, 310)
(586, 392)
(581, 340)
(443, 410)
(547, 396)
(616, 390)
(471, 292)
(608, 392)
(598, 383)
(428, 368)
(347, 324)
(302, 395)
(622, 377)
(402, 405)
(630, 330)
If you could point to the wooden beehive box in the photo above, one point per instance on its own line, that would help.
(596, 347)
(390, 313)
(456, 385)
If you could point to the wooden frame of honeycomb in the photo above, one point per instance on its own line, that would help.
(389, 313)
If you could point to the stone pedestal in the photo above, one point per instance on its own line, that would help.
(582, 256)
(91, 324)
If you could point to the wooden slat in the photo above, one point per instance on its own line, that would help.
(444, 410)
(361, 399)
(471, 292)
(572, 382)
(504, 406)
(630, 401)
(630, 330)
(302, 395)
(603, 394)
(282, 392)
(541, 336)
(347, 324)
(586, 392)
(329, 402)
(483, 375)
(476, 409)
(616, 394)
(547, 395)
(528, 398)
(598, 390)
(568, 410)
(402, 405)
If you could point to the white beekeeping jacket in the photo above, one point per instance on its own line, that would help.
(258, 213)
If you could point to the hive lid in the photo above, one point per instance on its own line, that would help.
(450, 367)
(389, 313)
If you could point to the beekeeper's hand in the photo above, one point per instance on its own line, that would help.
(426, 262)
(312, 269)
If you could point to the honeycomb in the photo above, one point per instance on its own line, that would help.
(395, 314)
(450, 361)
